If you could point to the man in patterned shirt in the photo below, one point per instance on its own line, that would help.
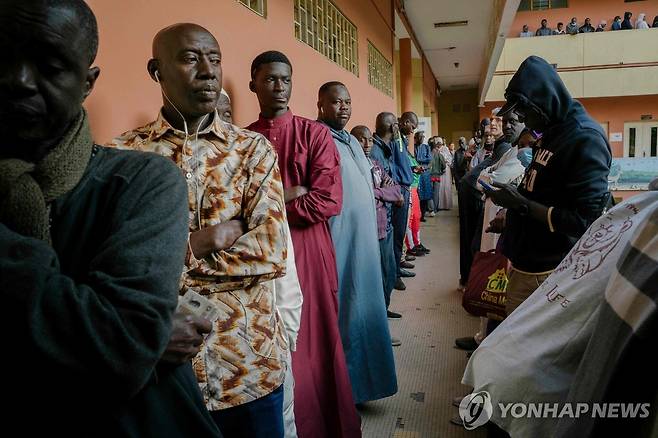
(237, 238)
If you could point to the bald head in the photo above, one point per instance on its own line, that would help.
(384, 124)
(360, 131)
(408, 122)
(172, 35)
(187, 64)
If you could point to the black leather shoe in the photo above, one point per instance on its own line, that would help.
(416, 253)
(405, 274)
(399, 285)
(468, 343)
(393, 315)
(409, 258)
(421, 248)
(407, 265)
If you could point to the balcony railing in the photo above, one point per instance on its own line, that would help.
(602, 64)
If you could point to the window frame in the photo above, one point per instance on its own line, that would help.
(381, 80)
(321, 25)
(247, 4)
(530, 5)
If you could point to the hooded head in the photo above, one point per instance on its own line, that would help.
(537, 93)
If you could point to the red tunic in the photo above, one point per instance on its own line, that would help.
(308, 157)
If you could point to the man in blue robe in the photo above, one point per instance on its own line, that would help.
(361, 309)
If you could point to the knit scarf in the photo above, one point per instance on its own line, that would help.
(27, 189)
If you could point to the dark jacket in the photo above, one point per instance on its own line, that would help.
(382, 152)
(569, 171)
(87, 320)
(626, 23)
(459, 164)
(403, 173)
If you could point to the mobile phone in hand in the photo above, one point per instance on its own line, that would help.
(485, 185)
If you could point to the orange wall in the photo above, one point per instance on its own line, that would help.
(597, 10)
(125, 97)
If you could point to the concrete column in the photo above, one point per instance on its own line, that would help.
(406, 75)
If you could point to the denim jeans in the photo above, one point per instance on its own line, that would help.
(400, 219)
(389, 266)
(258, 418)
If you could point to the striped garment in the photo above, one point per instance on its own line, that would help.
(616, 366)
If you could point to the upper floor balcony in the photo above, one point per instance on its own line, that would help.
(602, 64)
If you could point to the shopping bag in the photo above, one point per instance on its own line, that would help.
(485, 290)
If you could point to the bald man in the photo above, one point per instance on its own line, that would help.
(238, 236)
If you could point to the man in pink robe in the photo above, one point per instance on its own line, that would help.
(310, 170)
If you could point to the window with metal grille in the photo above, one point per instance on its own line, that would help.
(380, 71)
(539, 5)
(258, 6)
(322, 26)
(631, 142)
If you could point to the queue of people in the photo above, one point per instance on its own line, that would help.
(289, 233)
(549, 213)
(289, 236)
(574, 28)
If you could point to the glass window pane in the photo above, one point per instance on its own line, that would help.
(631, 142)
(258, 6)
(654, 142)
(322, 26)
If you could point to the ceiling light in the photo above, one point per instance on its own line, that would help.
(451, 23)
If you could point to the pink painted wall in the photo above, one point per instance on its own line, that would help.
(125, 97)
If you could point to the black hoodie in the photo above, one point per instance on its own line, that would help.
(569, 171)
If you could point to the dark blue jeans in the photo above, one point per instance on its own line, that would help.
(259, 418)
(389, 267)
(400, 220)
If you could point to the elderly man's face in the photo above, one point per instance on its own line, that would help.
(44, 75)
(496, 127)
(512, 127)
(190, 71)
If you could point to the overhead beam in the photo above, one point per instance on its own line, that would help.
(399, 8)
(501, 21)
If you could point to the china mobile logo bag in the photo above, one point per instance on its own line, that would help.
(485, 293)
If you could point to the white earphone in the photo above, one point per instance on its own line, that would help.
(157, 78)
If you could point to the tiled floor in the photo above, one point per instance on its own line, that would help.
(429, 368)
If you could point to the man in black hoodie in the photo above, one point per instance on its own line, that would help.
(565, 187)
